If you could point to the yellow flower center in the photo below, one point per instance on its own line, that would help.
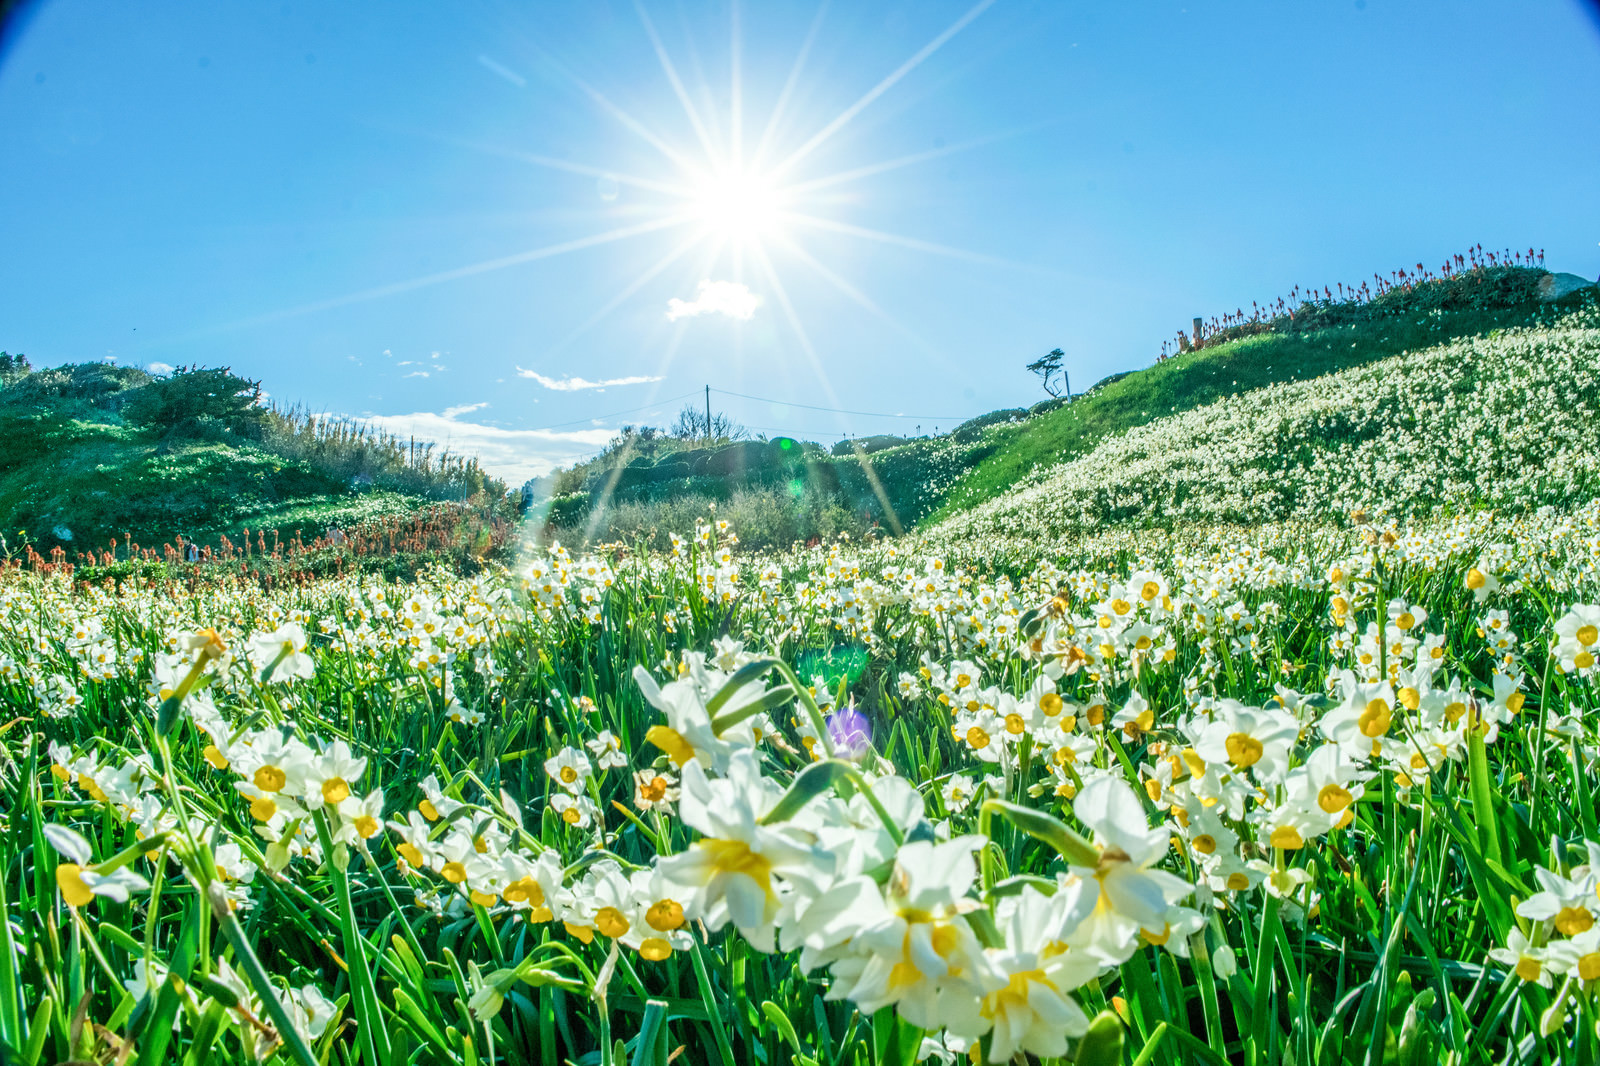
(611, 922)
(568, 775)
(335, 790)
(1014, 724)
(735, 857)
(526, 890)
(572, 816)
(1238, 882)
(1374, 721)
(429, 811)
(655, 949)
(1205, 843)
(977, 737)
(1014, 996)
(1573, 920)
(1529, 969)
(454, 872)
(1589, 966)
(262, 808)
(367, 826)
(664, 915)
(215, 757)
(1587, 635)
(680, 751)
(1333, 798)
(1475, 579)
(270, 779)
(1410, 698)
(1050, 704)
(69, 878)
(410, 853)
(1288, 838)
(1243, 749)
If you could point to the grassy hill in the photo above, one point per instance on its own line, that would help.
(92, 451)
(648, 485)
(1505, 420)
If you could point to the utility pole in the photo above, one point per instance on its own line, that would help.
(708, 412)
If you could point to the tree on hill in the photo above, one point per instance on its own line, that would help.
(199, 401)
(13, 367)
(692, 425)
(1047, 367)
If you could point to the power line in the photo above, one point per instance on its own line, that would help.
(835, 410)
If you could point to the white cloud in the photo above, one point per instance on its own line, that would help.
(505, 72)
(418, 374)
(574, 384)
(159, 368)
(731, 298)
(512, 454)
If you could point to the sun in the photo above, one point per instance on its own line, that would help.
(738, 205)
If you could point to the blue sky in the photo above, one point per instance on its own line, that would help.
(457, 218)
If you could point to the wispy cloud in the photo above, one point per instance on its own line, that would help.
(505, 72)
(573, 384)
(418, 374)
(731, 298)
(513, 454)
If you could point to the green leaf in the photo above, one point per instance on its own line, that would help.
(808, 784)
(1102, 1044)
(741, 677)
(1047, 828)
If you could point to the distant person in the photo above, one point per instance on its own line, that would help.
(337, 538)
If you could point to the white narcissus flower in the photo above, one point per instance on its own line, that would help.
(1133, 894)
(285, 646)
(607, 750)
(736, 871)
(79, 883)
(923, 957)
(1539, 966)
(569, 769)
(1567, 902)
(1031, 1012)
(1249, 738)
(329, 778)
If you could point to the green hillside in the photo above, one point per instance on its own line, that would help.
(93, 451)
(1505, 421)
(650, 483)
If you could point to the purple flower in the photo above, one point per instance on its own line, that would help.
(850, 732)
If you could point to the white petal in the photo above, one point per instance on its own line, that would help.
(69, 842)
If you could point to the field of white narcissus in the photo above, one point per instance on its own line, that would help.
(1507, 420)
(1282, 794)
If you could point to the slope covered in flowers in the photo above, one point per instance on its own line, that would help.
(1506, 420)
(1284, 797)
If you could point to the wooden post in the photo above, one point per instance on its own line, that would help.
(1197, 338)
